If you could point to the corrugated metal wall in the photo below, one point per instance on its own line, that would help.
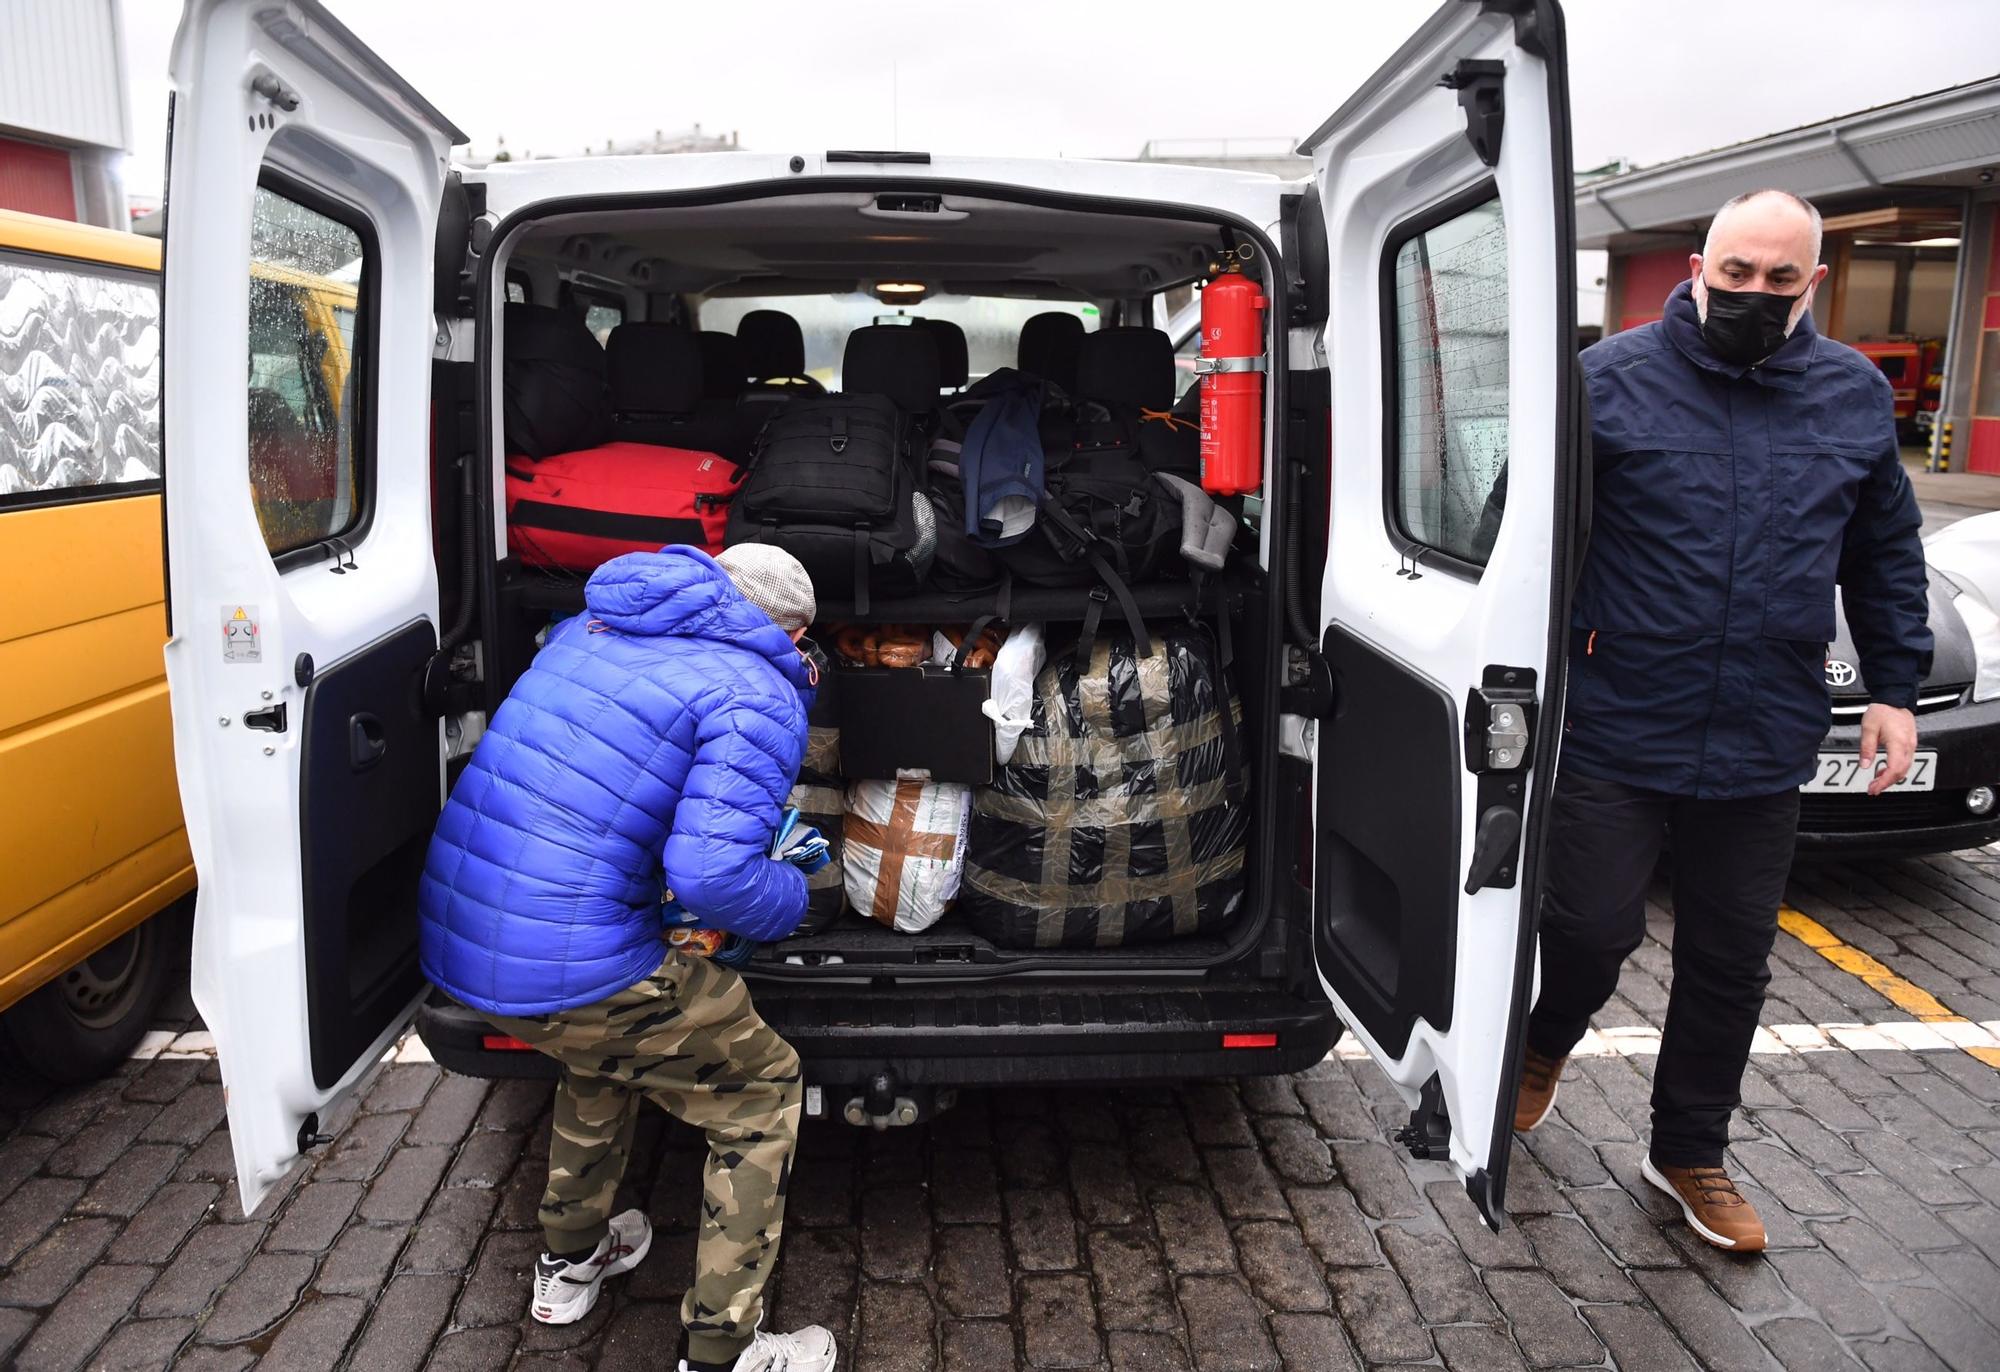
(61, 74)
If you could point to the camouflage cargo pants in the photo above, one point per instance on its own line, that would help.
(688, 1038)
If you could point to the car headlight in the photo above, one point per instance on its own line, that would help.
(1983, 626)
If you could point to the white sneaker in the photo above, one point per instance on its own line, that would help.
(566, 1291)
(809, 1350)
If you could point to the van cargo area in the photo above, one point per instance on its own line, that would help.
(852, 260)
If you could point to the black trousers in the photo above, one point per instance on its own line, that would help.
(1730, 861)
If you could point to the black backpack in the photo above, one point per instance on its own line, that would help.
(553, 392)
(1102, 510)
(837, 481)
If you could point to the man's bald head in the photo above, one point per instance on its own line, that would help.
(1767, 213)
(1763, 241)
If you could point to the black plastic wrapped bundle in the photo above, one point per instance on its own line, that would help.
(820, 795)
(1120, 818)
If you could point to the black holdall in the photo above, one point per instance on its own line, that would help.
(553, 392)
(836, 481)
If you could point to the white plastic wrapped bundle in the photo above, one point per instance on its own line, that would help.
(903, 850)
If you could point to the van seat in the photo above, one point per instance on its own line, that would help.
(894, 360)
(725, 371)
(658, 391)
(954, 356)
(1131, 366)
(774, 347)
(1048, 346)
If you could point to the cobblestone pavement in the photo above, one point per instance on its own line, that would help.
(1210, 1227)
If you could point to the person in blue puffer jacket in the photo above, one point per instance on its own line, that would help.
(651, 745)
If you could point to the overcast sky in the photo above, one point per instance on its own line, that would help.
(1083, 78)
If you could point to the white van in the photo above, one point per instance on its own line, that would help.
(345, 616)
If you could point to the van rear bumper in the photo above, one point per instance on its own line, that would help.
(984, 1036)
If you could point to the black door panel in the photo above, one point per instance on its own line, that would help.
(369, 794)
(1385, 920)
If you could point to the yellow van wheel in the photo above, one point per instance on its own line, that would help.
(86, 1021)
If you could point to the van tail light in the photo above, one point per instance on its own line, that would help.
(505, 1043)
(1249, 1040)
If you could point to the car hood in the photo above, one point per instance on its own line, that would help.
(1952, 661)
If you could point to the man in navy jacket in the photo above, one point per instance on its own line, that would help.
(1745, 467)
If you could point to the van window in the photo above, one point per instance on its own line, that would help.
(1448, 446)
(602, 310)
(306, 307)
(79, 380)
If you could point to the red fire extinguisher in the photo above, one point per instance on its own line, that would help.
(1231, 368)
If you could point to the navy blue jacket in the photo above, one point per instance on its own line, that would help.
(654, 738)
(1729, 502)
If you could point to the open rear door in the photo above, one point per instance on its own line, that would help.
(305, 181)
(1445, 185)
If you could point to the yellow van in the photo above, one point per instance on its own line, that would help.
(92, 846)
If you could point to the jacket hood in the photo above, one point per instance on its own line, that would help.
(1682, 321)
(680, 592)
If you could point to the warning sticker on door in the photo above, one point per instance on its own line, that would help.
(241, 638)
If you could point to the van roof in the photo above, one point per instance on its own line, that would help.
(63, 238)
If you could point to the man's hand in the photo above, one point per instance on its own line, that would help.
(1893, 730)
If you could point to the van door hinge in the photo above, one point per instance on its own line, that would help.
(1428, 1134)
(1499, 749)
(1480, 83)
(271, 719)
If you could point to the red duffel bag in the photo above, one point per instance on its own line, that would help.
(579, 510)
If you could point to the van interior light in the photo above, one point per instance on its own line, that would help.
(900, 287)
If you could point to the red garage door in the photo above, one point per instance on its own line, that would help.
(36, 179)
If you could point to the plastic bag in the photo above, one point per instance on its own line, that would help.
(903, 849)
(1011, 704)
(1118, 819)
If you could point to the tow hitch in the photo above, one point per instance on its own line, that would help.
(883, 1105)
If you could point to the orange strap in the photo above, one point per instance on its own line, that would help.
(1168, 418)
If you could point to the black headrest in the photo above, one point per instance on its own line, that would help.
(773, 344)
(723, 369)
(543, 333)
(1130, 366)
(895, 360)
(655, 369)
(1048, 347)
(954, 358)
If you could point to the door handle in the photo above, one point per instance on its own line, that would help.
(1494, 844)
(366, 741)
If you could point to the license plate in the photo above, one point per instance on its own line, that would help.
(1843, 774)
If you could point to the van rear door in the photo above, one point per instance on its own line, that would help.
(1445, 188)
(305, 180)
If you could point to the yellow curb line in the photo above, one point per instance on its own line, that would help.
(1900, 992)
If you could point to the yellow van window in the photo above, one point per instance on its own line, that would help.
(305, 470)
(79, 379)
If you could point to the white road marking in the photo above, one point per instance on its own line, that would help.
(1888, 1036)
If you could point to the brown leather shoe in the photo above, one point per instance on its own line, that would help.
(1715, 1209)
(1537, 1097)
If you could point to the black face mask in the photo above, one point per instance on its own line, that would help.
(1745, 327)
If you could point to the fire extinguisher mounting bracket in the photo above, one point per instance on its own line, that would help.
(1204, 366)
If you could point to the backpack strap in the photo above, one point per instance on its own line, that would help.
(1002, 602)
(1110, 584)
(863, 569)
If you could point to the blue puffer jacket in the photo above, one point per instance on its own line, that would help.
(656, 735)
(1728, 504)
